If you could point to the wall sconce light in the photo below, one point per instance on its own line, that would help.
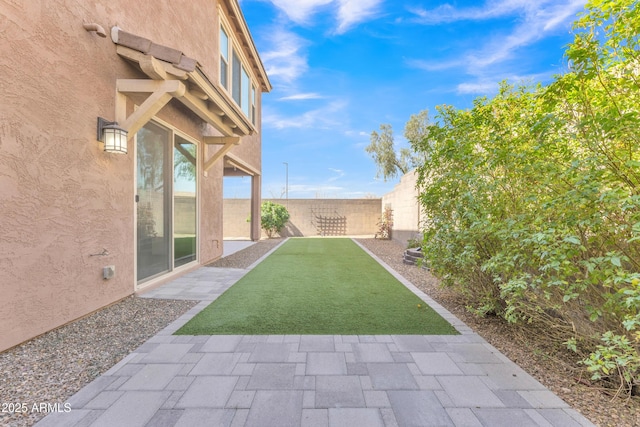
(113, 136)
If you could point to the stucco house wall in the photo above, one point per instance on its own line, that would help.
(67, 208)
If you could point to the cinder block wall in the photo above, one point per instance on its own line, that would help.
(406, 209)
(310, 217)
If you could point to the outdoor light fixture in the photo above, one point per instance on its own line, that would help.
(113, 136)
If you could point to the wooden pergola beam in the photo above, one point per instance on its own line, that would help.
(200, 107)
(221, 140)
(161, 93)
(197, 92)
(242, 165)
(218, 155)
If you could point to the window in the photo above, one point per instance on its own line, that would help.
(245, 87)
(235, 78)
(253, 104)
(224, 59)
(185, 190)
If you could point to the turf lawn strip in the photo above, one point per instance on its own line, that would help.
(318, 286)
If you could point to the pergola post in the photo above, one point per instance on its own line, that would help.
(256, 201)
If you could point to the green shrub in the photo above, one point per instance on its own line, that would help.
(531, 200)
(273, 217)
(615, 360)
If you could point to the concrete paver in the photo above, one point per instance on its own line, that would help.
(342, 391)
(391, 376)
(418, 408)
(276, 408)
(293, 380)
(326, 364)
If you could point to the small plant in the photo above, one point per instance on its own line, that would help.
(385, 224)
(273, 218)
(413, 243)
(616, 360)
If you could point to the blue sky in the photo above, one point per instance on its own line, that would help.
(340, 68)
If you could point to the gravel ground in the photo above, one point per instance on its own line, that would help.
(556, 368)
(247, 256)
(54, 366)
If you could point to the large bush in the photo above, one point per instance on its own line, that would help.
(273, 217)
(532, 198)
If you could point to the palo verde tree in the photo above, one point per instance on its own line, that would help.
(532, 198)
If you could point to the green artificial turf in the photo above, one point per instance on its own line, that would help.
(318, 286)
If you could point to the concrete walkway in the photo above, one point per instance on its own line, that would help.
(232, 246)
(311, 380)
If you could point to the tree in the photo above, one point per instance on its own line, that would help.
(382, 147)
(417, 128)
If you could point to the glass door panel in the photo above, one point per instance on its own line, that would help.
(184, 201)
(154, 201)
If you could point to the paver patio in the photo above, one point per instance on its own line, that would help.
(311, 380)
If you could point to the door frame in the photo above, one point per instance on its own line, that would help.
(173, 271)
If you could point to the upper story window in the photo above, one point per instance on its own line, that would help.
(224, 58)
(235, 78)
(235, 81)
(253, 104)
(245, 93)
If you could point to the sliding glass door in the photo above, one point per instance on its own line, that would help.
(166, 201)
(184, 201)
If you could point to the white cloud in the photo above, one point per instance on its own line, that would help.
(321, 118)
(284, 60)
(352, 133)
(538, 23)
(435, 66)
(477, 87)
(301, 96)
(486, 86)
(348, 12)
(311, 188)
(351, 12)
(562, 13)
(552, 11)
(537, 20)
(533, 21)
(300, 11)
(492, 9)
(339, 173)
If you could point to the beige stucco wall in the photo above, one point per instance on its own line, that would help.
(343, 217)
(62, 199)
(406, 209)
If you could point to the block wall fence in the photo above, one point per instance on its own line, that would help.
(310, 217)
